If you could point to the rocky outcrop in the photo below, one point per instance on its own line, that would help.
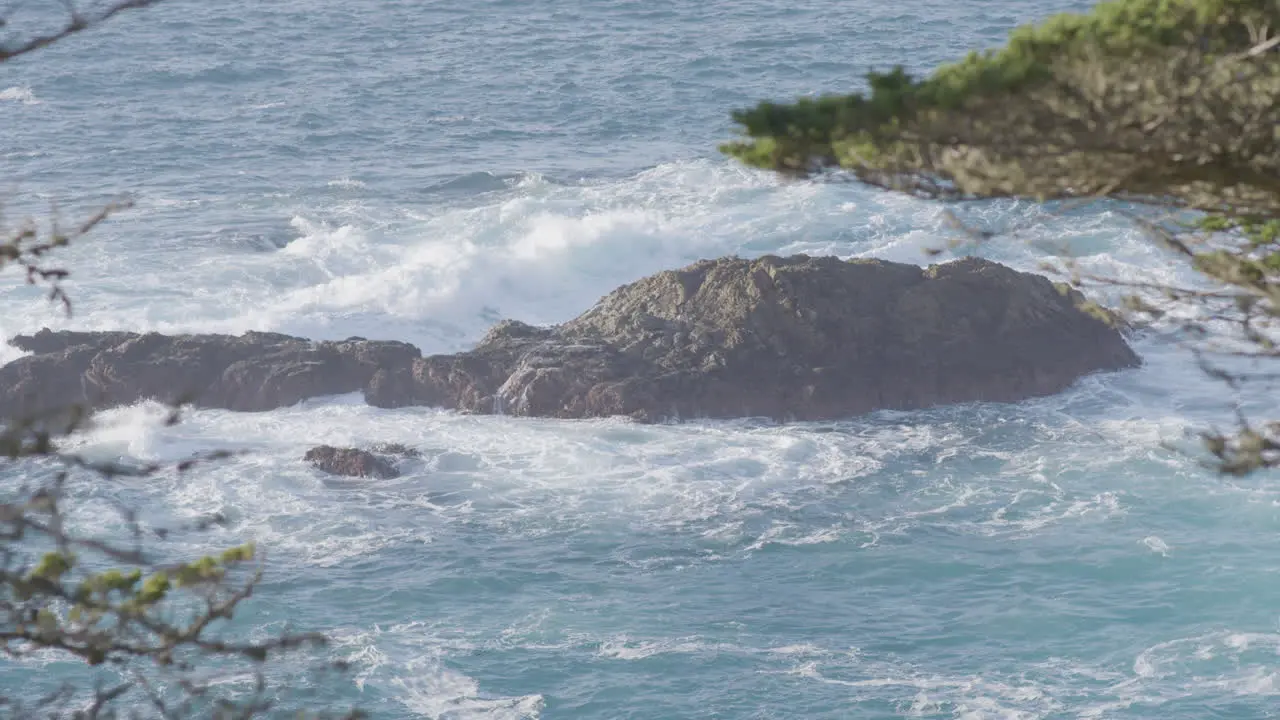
(350, 462)
(254, 371)
(787, 338)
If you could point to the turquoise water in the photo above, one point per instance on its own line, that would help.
(418, 170)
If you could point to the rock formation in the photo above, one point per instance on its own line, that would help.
(787, 338)
(254, 371)
(350, 462)
(795, 338)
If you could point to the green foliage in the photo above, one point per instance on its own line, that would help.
(898, 124)
(1174, 104)
(1257, 230)
(52, 566)
(114, 606)
(119, 594)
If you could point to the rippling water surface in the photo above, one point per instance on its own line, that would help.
(418, 170)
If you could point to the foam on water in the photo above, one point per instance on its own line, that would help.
(536, 251)
(539, 252)
(725, 482)
(19, 94)
(427, 687)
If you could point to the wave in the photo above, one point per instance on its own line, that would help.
(528, 248)
(481, 182)
(525, 247)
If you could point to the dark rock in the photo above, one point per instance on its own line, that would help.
(787, 338)
(254, 371)
(47, 341)
(350, 462)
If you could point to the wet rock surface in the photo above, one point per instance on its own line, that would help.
(254, 371)
(795, 338)
(350, 462)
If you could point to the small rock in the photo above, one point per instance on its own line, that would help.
(252, 372)
(350, 462)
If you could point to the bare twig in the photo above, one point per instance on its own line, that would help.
(75, 23)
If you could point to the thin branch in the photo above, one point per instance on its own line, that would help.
(75, 23)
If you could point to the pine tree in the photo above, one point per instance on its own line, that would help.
(1166, 109)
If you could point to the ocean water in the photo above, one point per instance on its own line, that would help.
(417, 171)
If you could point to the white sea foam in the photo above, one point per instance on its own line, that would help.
(542, 253)
(346, 183)
(1235, 664)
(622, 648)
(1156, 545)
(19, 94)
(724, 483)
(411, 658)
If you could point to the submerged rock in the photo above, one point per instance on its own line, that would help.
(787, 338)
(396, 449)
(796, 338)
(350, 462)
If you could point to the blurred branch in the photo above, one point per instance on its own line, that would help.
(28, 248)
(112, 604)
(76, 22)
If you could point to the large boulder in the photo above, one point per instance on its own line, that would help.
(797, 338)
(254, 371)
(787, 338)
